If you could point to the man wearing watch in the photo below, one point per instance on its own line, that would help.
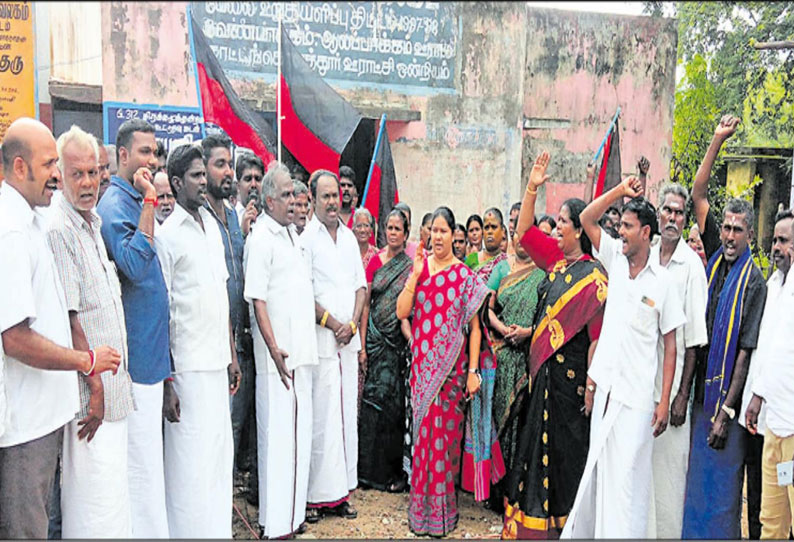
(733, 316)
(339, 292)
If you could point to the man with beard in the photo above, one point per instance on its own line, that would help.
(104, 168)
(642, 308)
(347, 187)
(340, 289)
(127, 211)
(40, 366)
(771, 380)
(165, 197)
(249, 172)
(301, 212)
(198, 445)
(278, 286)
(218, 163)
(671, 449)
(736, 301)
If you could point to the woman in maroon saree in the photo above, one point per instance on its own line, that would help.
(444, 296)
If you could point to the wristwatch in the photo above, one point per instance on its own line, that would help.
(590, 388)
(729, 411)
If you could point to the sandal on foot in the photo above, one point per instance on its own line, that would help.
(397, 487)
(313, 515)
(346, 511)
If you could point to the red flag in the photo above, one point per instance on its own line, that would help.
(609, 174)
(222, 106)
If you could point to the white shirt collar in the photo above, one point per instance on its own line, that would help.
(17, 207)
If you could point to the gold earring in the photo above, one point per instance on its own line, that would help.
(578, 235)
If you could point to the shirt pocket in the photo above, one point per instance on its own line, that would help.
(645, 320)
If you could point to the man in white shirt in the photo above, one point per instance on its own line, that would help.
(671, 449)
(197, 441)
(40, 364)
(642, 307)
(771, 380)
(339, 292)
(278, 286)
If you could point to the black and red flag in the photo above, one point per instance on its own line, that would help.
(609, 175)
(317, 124)
(222, 106)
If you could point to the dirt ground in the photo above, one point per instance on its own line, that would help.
(380, 515)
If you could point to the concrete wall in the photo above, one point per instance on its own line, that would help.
(468, 150)
(580, 67)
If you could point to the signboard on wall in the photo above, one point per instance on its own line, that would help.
(392, 44)
(17, 64)
(173, 125)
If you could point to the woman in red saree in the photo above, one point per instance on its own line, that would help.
(444, 296)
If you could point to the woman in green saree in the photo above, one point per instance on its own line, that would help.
(382, 417)
(511, 319)
(490, 263)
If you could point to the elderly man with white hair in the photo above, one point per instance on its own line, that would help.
(278, 285)
(95, 494)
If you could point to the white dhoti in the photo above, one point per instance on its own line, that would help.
(199, 452)
(95, 497)
(349, 358)
(284, 436)
(328, 478)
(145, 462)
(670, 464)
(614, 494)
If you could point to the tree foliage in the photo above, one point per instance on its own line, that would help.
(724, 74)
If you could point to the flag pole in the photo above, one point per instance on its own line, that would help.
(203, 126)
(609, 131)
(278, 90)
(381, 130)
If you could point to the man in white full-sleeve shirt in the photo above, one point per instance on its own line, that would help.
(278, 286)
(197, 440)
(671, 449)
(339, 292)
(771, 409)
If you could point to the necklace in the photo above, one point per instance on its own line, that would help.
(438, 265)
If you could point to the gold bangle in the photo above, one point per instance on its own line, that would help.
(353, 327)
(410, 289)
(324, 319)
(530, 191)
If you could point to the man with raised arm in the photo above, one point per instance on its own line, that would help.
(737, 294)
(642, 308)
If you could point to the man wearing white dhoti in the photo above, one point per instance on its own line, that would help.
(95, 500)
(671, 449)
(278, 286)
(127, 210)
(615, 491)
(339, 292)
(197, 441)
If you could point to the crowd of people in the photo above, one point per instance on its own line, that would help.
(168, 320)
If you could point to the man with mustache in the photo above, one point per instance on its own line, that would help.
(279, 289)
(198, 446)
(301, 206)
(771, 383)
(127, 211)
(348, 192)
(104, 168)
(642, 309)
(736, 302)
(95, 491)
(340, 289)
(218, 164)
(249, 171)
(40, 364)
(671, 449)
(165, 197)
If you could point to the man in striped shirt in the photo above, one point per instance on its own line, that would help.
(95, 493)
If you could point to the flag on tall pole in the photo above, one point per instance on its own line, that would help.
(609, 175)
(317, 122)
(222, 106)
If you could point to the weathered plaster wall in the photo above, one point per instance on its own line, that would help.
(579, 68)
(469, 149)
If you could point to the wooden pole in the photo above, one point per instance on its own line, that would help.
(766, 45)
